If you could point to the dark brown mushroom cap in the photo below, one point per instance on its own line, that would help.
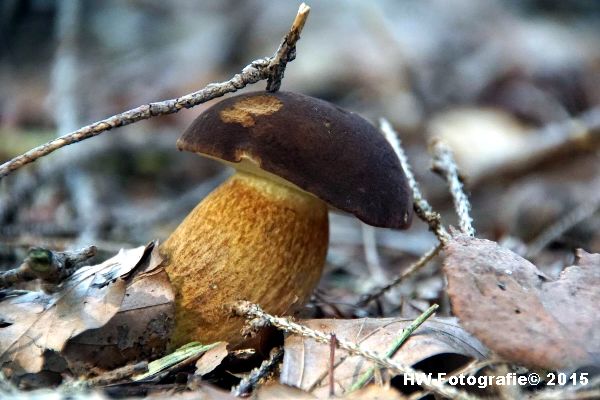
(334, 154)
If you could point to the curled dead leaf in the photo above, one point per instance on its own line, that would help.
(519, 313)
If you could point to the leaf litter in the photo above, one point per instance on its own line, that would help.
(520, 313)
(37, 322)
(306, 363)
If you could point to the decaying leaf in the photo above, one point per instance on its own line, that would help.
(525, 317)
(306, 363)
(211, 359)
(36, 322)
(139, 331)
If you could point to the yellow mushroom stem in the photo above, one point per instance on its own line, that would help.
(251, 239)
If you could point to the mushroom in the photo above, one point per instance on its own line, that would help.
(262, 235)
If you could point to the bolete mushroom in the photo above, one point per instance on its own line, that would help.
(263, 234)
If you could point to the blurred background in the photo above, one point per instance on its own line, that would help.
(513, 86)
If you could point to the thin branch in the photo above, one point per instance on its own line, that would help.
(265, 68)
(404, 335)
(257, 316)
(574, 217)
(421, 206)
(445, 166)
(118, 374)
(287, 49)
(417, 265)
(250, 382)
(332, 346)
(48, 266)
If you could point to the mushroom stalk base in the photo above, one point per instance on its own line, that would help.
(250, 239)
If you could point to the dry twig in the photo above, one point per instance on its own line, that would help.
(422, 207)
(250, 382)
(50, 267)
(445, 166)
(417, 265)
(568, 221)
(423, 210)
(332, 345)
(287, 49)
(257, 316)
(118, 374)
(271, 68)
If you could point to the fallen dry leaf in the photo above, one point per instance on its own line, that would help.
(306, 362)
(525, 317)
(139, 331)
(211, 359)
(37, 322)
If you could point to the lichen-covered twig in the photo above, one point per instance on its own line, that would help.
(404, 335)
(48, 266)
(445, 166)
(422, 207)
(254, 313)
(271, 68)
(248, 383)
(423, 210)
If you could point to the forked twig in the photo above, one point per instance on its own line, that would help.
(271, 68)
(49, 267)
(414, 267)
(423, 210)
(445, 166)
